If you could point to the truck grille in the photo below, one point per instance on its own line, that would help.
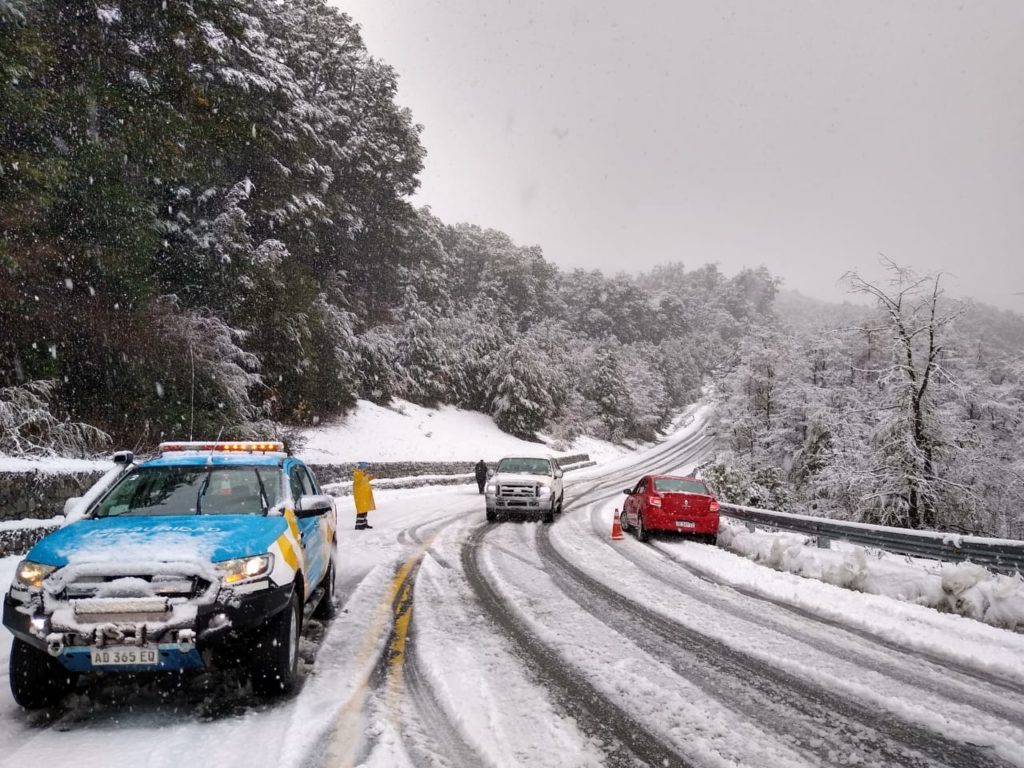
(517, 491)
(160, 585)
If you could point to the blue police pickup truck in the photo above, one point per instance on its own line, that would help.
(209, 554)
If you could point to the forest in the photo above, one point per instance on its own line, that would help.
(206, 228)
(906, 411)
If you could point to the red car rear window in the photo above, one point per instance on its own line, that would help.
(674, 485)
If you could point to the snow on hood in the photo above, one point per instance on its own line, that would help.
(172, 538)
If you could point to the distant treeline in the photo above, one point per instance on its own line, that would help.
(205, 226)
(909, 413)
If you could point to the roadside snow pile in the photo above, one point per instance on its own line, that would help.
(52, 465)
(408, 432)
(964, 588)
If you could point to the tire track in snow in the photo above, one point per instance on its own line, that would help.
(396, 672)
(835, 723)
(627, 739)
(945, 671)
(449, 748)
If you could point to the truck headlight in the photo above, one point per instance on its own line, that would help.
(245, 568)
(31, 574)
(491, 489)
(544, 491)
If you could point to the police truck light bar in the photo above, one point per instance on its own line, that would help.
(242, 447)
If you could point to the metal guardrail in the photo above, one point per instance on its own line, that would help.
(1002, 555)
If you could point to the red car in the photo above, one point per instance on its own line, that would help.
(670, 503)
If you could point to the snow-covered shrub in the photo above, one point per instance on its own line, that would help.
(11, 11)
(578, 417)
(733, 480)
(28, 426)
(208, 379)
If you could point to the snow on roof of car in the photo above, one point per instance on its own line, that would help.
(213, 458)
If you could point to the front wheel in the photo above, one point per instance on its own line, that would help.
(37, 679)
(623, 521)
(326, 608)
(491, 515)
(275, 658)
(549, 516)
(642, 533)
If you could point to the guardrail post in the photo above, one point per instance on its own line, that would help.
(824, 542)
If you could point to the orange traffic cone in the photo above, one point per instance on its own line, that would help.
(617, 528)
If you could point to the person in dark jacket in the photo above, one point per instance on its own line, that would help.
(481, 474)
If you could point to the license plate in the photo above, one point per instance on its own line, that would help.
(108, 657)
(685, 524)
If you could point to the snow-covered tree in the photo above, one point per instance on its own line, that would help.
(909, 438)
(421, 357)
(28, 426)
(520, 401)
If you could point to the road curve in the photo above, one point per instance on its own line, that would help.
(627, 739)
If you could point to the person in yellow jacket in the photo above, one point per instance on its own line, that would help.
(363, 494)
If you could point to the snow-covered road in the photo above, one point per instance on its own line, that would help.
(518, 644)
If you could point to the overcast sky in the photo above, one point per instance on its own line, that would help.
(806, 135)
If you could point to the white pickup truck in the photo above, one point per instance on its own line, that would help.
(525, 486)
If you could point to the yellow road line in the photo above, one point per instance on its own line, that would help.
(396, 661)
(396, 607)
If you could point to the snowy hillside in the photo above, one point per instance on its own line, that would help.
(408, 432)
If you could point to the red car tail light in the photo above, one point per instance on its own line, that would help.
(654, 501)
(713, 507)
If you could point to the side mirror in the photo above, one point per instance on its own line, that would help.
(628, 491)
(124, 457)
(313, 505)
(70, 504)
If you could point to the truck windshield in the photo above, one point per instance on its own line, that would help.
(525, 466)
(676, 485)
(193, 491)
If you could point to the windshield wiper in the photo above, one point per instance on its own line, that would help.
(202, 490)
(264, 501)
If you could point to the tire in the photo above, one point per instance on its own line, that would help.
(37, 679)
(623, 522)
(712, 539)
(549, 516)
(491, 516)
(326, 608)
(274, 668)
(642, 534)
(561, 501)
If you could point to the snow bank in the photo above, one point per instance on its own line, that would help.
(963, 588)
(53, 465)
(408, 432)
(31, 524)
